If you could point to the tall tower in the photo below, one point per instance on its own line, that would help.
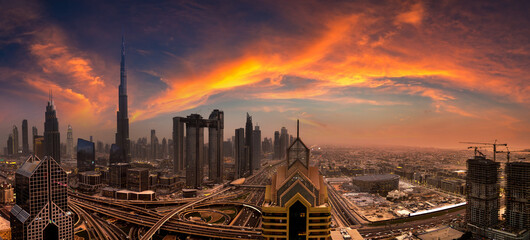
(154, 145)
(194, 150)
(256, 144)
(25, 143)
(178, 144)
(69, 142)
(276, 147)
(122, 131)
(249, 144)
(41, 209)
(518, 195)
(284, 142)
(15, 140)
(482, 187)
(296, 202)
(52, 139)
(239, 153)
(215, 146)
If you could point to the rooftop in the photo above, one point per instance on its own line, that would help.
(381, 177)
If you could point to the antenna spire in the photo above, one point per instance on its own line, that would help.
(297, 128)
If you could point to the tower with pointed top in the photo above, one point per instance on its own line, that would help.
(249, 145)
(52, 139)
(122, 131)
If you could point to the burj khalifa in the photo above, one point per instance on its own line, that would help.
(122, 132)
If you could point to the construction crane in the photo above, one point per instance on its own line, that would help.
(508, 152)
(494, 144)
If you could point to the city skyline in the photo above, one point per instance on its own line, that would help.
(417, 74)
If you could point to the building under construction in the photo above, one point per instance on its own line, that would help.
(482, 184)
(518, 195)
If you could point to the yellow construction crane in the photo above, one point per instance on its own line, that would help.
(494, 144)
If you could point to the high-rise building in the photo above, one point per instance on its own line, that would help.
(249, 144)
(115, 155)
(41, 210)
(138, 179)
(38, 146)
(52, 137)
(241, 164)
(228, 148)
(276, 154)
(70, 142)
(122, 131)
(10, 147)
(25, 143)
(296, 202)
(215, 146)
(178, 144)
(15, 140)
(482, 188)
(518, 195)
(194, 150)
(34, 132)
(164, 148)
(256, 144)
(284, 142)
(86, 155)
(154, 146)
(118, 174)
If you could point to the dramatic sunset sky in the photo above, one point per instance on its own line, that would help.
(417, 73)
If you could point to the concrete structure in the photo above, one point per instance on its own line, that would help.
(381, 184)
(249, 145)
(276, 148)
(41, 210)
(517, 194)
(6, 193)
(256, 144)
(215, 146)
(15, 145)
(25, 143)
(122, 116)
(89, 181)
(241, 167)
(296, 203)
(69, 142)
(138, 179)
(482, 184)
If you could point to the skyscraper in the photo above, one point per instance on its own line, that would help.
(69, 142)
(276, 149)
(284, 142)
(178, 144)
(296, 202)
(239, 153)
(518, 195)
(15, 140)
(52, 139)
(122, 132)
(215, 146)
(482, 187)
(256, 144)
(164, 148)
(154, 147)
(194, 150)
(25, 143)
(86, 155)
(41, 210)
(10, 147)
(249, 144)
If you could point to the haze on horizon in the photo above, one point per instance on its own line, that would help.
(414, 73)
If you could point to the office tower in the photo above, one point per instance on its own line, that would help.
(169, 148)
(10, 147)
(15, 140)
(115, 155)
(296, 202)
(227, 148)
(482, 187)
(276, 154)
(34, 133)
(25, 143)
(118, 174)
(249, 144)
(284, 142)
(256, 144)
(52, 139)
(239, 153)
(153, 151)
(194, 150)
(178, 144)
(41, 210)
(69, 142)
(99, 147)
(86, 155)
(138, 179)
(122, 131)
(38, 146)
(518, 195)
(215, 146)
(164, 148)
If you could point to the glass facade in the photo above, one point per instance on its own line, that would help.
(86, 154)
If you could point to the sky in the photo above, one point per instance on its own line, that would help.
(414, 73)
